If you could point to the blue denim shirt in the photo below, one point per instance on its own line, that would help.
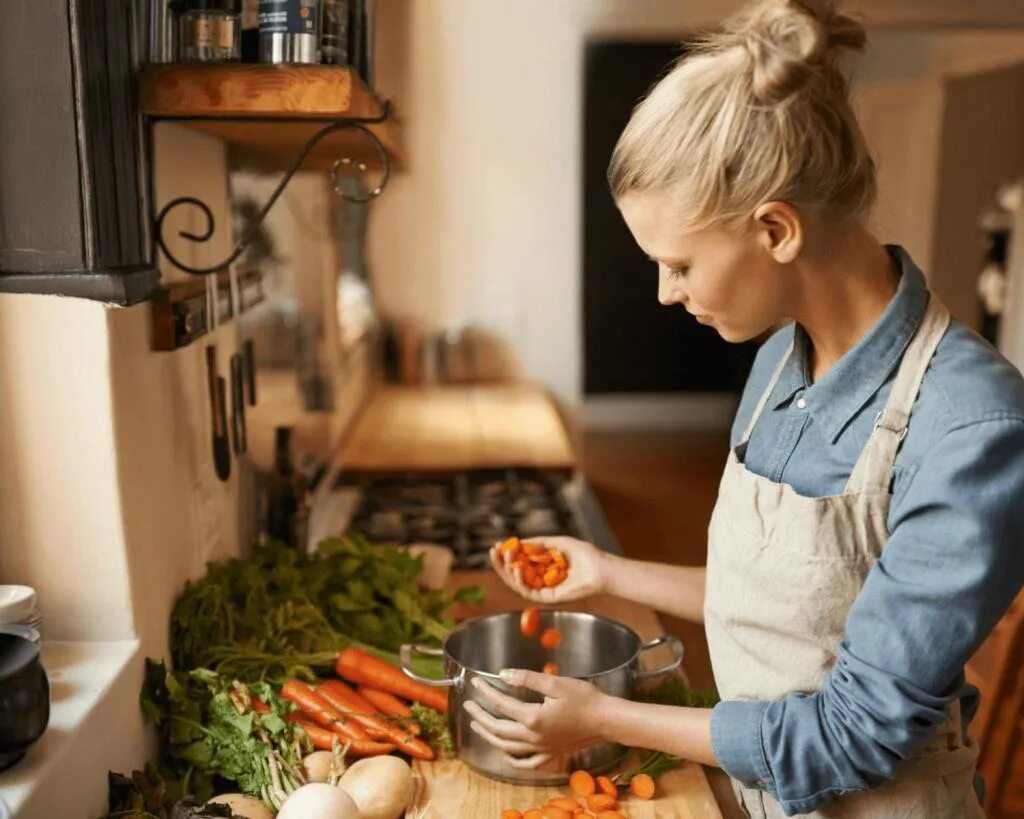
(952, 565)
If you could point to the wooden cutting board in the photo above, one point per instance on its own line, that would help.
(452, 428)
(449, 789)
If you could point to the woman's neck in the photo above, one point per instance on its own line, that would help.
(844, 288)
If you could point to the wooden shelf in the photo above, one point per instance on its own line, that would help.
(268, 112)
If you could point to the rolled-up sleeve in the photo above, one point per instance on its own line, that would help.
(951, 568)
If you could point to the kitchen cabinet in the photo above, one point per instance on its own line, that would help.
(449, 788)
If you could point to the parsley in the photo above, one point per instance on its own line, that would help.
(435, 728)
(280, 614)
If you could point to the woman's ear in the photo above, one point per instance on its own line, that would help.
(779, 230)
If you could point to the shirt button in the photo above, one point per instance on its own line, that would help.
(801, 403)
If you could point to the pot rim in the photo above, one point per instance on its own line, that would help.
(512, 613)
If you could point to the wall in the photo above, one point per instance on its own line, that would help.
(983, 148)
(485, 227)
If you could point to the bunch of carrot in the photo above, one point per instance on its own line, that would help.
(372, 719)
(539, 566)
(589, 798)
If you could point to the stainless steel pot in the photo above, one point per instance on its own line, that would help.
(593, 648)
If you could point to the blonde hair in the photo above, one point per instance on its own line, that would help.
(757, 112)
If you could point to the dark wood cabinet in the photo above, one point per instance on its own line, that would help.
(73, 200)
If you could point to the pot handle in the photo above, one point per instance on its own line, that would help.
(405, 654)
(677, 648)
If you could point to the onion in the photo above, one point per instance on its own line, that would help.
(318, 800)
(248, 807)
(380, 786)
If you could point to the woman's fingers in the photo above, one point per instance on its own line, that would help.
(523, 712)
(503, 728)
(546, 684)
(509, 746)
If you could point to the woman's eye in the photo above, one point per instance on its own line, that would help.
(678, 272)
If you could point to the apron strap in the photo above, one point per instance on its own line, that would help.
(873, 472)
(763, 402)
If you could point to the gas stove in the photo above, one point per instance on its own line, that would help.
(466, 511)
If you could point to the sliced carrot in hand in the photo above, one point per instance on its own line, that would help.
(642, 786)
(605, 785)
(582, 784)
(551, 638)
(510, 546)
(529, 622)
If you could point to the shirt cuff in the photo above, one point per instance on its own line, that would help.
(736, 742)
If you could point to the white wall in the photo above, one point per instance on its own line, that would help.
(486, 224)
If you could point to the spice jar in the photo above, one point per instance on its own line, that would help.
(210, 31)
(290, 31)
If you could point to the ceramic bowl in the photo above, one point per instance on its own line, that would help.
(17, 603)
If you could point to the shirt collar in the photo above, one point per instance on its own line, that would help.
(857, 376)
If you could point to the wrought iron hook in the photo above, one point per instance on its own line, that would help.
(207, 234)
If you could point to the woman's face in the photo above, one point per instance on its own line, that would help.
(728, 281)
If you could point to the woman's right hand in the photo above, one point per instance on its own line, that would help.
(587, 573)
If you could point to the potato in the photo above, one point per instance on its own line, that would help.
(379, 785)
(248, 807)
(317, 765)
(318, 800)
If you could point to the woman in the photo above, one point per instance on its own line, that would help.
(867, 532)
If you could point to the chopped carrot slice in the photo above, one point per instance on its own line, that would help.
(582, 784)
(533, 814)
(511, 814)
(610, 814)
(510, 545)
(529, 622)
(550, 668)
(601, 801)
(552, 812)
(551, 638)
(607, 786)
(642, 786)
(566, 803)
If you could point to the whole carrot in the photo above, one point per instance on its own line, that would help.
(321, 711)
(392, 733)
(345, 700)
(390, 705)
(323, 739)
(365, 669)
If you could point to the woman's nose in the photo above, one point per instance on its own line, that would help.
(669, 292)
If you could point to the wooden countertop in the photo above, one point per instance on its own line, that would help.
(451, 428)
(449, 789)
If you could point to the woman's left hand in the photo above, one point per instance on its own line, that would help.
(532, 734)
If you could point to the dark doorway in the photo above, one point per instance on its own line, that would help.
(631, 343)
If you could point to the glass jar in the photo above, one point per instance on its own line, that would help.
(210, 31)
(334, 42)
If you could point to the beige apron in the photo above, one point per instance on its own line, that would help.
(783, 571)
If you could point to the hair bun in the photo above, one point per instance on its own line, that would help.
(792, 43)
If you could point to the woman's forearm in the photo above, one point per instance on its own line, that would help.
(685, 732)
(675, 590)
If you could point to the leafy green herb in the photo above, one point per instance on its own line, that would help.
(208, 729)
(280, 614)
(435, 728)
(673, 691)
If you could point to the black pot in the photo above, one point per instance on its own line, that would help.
(24, 698)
